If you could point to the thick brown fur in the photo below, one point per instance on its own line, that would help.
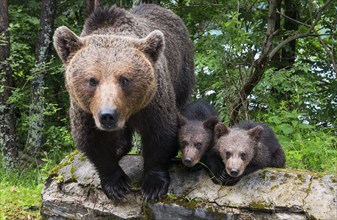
(196, 127)
(128, 71)
(245, 148)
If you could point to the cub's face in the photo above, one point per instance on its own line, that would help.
(108, 76)
(194, 141)
(236, 147)
(195, 138)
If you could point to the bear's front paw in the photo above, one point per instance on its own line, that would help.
(115, 186)
(155, 184)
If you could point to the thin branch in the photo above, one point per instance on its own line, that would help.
(311, 28)
(259, 65)
(293, 20)
(307, 33)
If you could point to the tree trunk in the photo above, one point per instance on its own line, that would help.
(289, 51)
(36, 111)
(276, 60)
(7, 116)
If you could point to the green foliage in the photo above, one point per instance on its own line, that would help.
(298, 101)
(306, 145)
(20, 196)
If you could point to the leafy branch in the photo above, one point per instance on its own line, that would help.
(267, 53)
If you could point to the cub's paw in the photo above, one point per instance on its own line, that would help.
(155, 184)
(223, 178)
(116, 185)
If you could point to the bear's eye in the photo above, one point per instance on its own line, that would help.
(93, 82)
(243, 156)
(198, 146)
(124, 82)
(228, 154)
(183, 144)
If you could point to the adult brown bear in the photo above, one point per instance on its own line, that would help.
(128, 71)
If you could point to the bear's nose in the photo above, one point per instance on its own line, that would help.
(234, 172)
(188, 162)
(108, 118)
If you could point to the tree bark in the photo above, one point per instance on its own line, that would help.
(36, 111)
(289, 51)
(7, 116)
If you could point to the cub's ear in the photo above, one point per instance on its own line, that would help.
(153, 45)
(66, 43)
(181, 120)
(220, 129)
(256, 132)
(211, 122)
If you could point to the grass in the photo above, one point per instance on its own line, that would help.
(20, 196)
(20, 190)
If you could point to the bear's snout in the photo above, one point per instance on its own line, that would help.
(108, 118)
(189, 162)
(234, 172)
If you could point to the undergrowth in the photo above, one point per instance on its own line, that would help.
(20, 196)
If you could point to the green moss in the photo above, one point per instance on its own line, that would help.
(72, 173)
(183, 201)
(137, 184)
(68, 160)
(262, 175)
(59, 179)
(301, 178)
(147, 214)
(82, 158)
(333, 180)
(287, 175)
(274, 187)
(256, 205)
(311, 217)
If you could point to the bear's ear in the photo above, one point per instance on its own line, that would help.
(181, 120)
(66, 43)
(256, 132)
(220, 129)
(153, 45)
(211, 122)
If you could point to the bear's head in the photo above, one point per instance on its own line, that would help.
(236, 147)
(195, 138)
(111, 77)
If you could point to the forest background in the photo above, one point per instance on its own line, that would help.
(270, 61)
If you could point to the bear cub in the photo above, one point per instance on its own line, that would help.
(245, 148)
(195, 134)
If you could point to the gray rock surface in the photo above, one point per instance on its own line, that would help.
(73, 192)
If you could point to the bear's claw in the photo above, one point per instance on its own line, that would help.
(155, 185)
(116, 186)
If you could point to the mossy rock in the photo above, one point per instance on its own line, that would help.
(73, 191)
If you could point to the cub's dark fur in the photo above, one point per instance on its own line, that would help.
(196, 131)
